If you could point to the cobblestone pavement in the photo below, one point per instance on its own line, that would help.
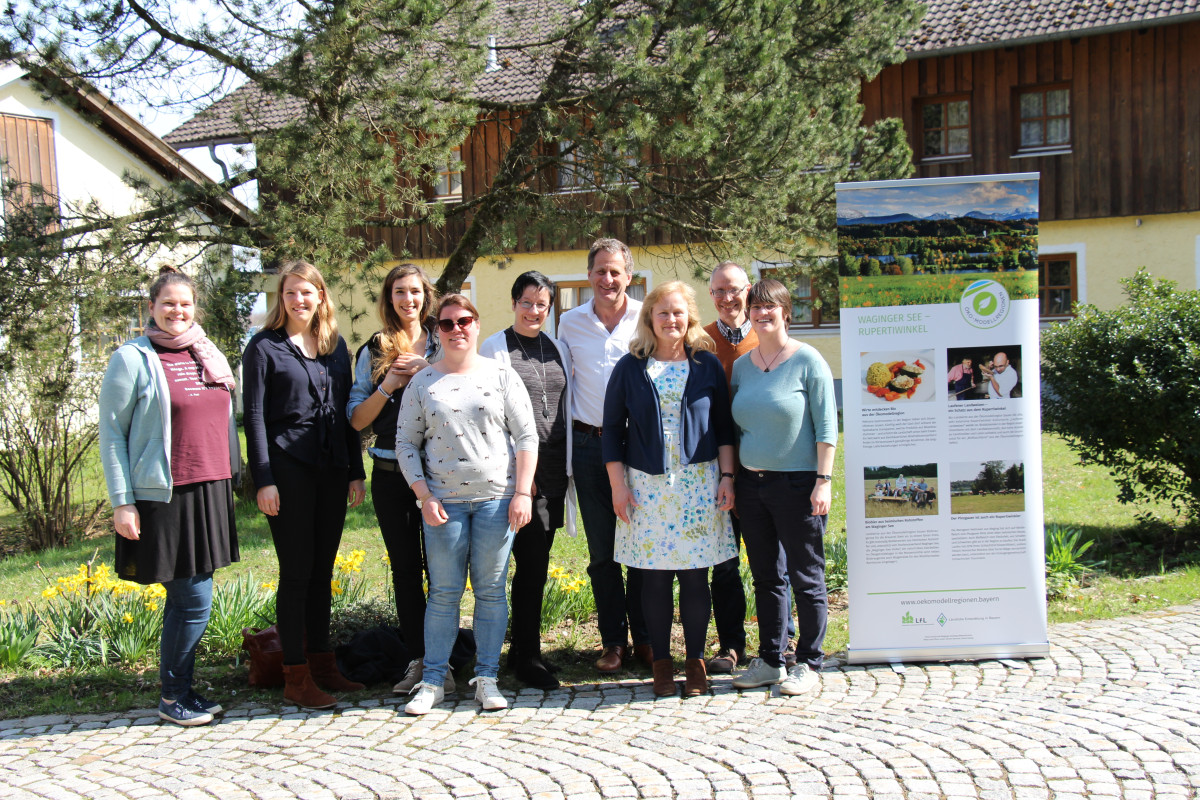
(1114, 712)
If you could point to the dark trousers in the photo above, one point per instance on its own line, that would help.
(400, 525)
(729, 598)
(660, 609)
(531, 552)
(784, 540)
(306, 532)
(618, 606)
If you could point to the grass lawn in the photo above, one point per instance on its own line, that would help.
(987, 503)
(1144, 564)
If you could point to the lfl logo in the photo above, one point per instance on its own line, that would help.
(909, 619)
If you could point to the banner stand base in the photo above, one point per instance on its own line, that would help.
(895, 655)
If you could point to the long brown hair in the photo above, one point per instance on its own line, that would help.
(393, 339)
(324, 323)
(644, 341)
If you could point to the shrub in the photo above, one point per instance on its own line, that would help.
(1065, 566)
(19, 628)
(1121, 389)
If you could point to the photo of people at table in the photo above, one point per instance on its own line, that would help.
(991, 372)
(901, 490)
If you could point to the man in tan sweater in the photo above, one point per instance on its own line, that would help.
(734, 337)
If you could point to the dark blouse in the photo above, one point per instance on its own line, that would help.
(298, 405)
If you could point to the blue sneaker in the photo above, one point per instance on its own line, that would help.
(181, 713)
(202, 703)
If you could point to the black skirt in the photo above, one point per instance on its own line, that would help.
(193, 534)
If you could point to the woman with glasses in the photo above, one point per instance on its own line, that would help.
(544, 366)
(786, 415)
(467, 445)
(384, 365)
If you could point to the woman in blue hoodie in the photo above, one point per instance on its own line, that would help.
(169, 449)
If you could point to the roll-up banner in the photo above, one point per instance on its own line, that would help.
(940, 376)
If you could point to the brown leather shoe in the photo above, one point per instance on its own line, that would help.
(325, 673)
(644, 654)
(724, 662)
(664, 677)
(789, 655)
(298, 688)
(695, 678)
(612, 657)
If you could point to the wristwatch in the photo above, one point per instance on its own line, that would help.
(421, 501)
(824, 477)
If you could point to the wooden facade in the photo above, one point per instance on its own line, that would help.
(1134, 117)
(481, 153)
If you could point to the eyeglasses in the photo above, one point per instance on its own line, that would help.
(721, 294)
(447, 325)
(538, 307)
(767, 307)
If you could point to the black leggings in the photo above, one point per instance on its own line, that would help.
(306, 532)
(531, 552)
(659, 608)
(400, 524)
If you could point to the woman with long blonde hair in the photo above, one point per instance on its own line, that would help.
(383, 367)
(306, 461)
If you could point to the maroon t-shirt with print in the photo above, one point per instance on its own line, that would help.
(199, 421)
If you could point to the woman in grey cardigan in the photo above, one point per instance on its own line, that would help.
(169, 451)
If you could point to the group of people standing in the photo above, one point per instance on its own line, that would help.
(676, 439)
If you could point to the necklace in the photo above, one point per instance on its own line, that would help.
(782, 350)
(542, 358)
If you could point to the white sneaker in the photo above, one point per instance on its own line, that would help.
(800, 680)
(759, 673)
(488, 694)
(427, 697)
(412, 676)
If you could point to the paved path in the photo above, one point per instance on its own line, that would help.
(1113, 713)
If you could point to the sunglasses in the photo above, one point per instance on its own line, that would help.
(447, 325)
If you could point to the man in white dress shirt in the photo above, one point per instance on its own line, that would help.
(598, 333)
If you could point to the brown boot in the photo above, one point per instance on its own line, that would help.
(299, 688)
(695, 678)
(664, 677)
(325, 673)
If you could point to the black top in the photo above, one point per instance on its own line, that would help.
(298, 405)
(539, 364)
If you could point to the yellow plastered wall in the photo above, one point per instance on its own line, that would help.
(1107, 250)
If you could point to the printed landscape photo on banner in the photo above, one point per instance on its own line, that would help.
(930, 251)
(987, 487)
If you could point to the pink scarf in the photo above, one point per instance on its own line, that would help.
(216, 366)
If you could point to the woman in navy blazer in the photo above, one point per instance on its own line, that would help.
(668, 444)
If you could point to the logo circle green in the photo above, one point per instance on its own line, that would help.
(984, 304)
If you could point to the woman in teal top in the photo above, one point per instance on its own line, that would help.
(786, 416)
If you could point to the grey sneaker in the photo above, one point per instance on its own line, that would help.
(800, 680)
(412, 676)
(488, 694)
(427, 697)
(182, 713)
(759, 673)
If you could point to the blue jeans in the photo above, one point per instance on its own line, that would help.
(185, 617)
(615, 602)
(476, 537)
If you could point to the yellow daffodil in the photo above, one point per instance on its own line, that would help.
(335, 587)
(127, 618)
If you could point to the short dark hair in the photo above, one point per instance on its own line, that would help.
(533, 278)
(770, 292)
(609, 245)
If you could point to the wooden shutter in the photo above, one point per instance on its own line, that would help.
(27, 148)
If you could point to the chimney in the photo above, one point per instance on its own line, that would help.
(493, 63)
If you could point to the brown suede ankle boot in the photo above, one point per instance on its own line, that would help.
(695, 678)
(325, 673)
(664, 677)
(298, 688)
